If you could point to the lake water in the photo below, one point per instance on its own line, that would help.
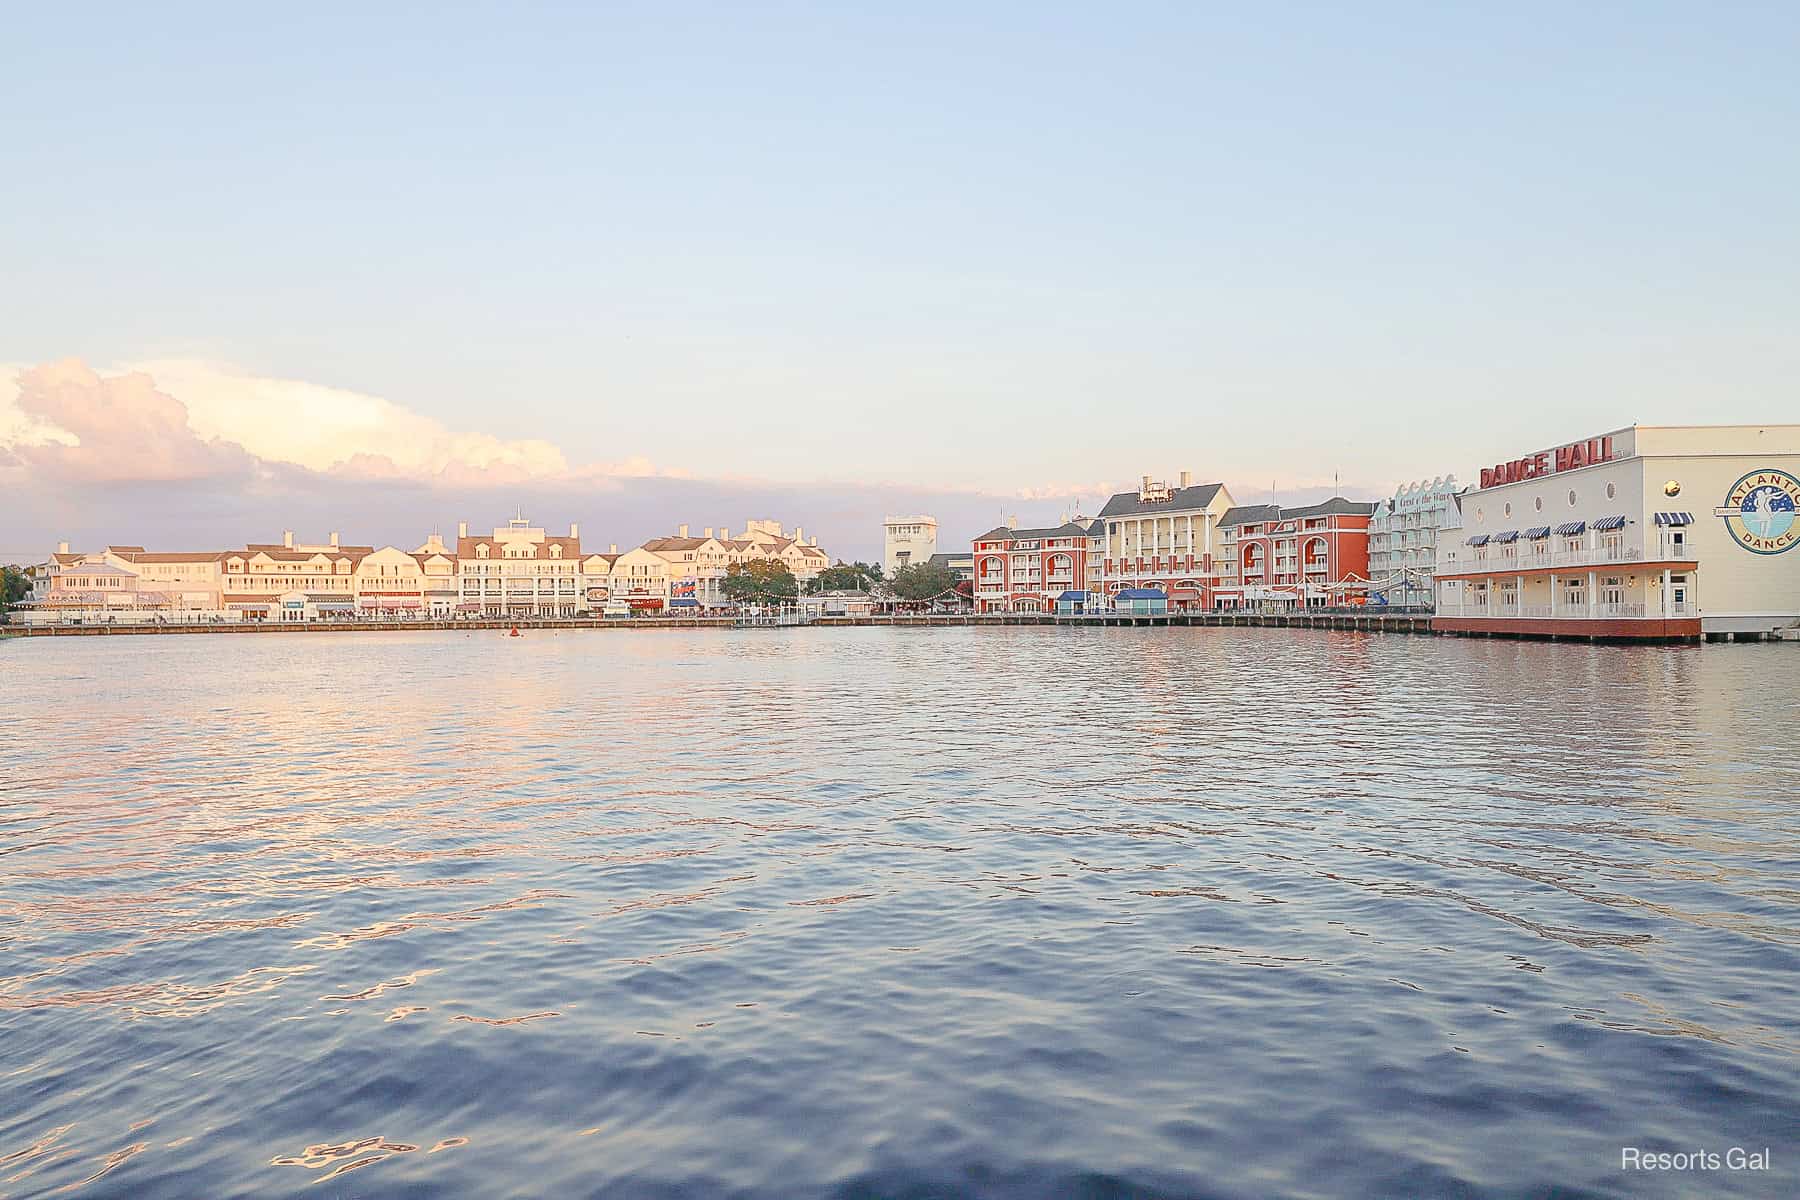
(895, 913)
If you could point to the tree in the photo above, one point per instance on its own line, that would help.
(847, 577)
(14, 587)
(763, 581)
(923, 581)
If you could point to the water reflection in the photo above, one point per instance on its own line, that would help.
(892, 912)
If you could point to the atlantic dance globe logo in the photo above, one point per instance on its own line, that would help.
(1759, 511)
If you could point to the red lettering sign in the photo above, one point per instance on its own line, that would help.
(1572, 457)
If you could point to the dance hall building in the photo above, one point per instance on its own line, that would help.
(1660, 532)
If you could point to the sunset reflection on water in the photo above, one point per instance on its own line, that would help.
(788, 913)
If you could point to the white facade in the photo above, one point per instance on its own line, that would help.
(1403, 540)
(1690, 528)
(907, 541)
(521, 571)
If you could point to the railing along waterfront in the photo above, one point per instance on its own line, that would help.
(1565, 612)
(1597, 556)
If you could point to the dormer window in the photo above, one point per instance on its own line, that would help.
(481, 551)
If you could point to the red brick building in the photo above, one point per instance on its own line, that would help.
(1310, 557)
(1027, 570)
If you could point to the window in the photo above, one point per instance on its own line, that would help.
(1612, 490)
(1538, 504)
(1571, 497)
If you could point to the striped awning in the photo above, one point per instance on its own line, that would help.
(1511, 535)
(1571, 529)
(1607, 524)
(1538, 531)
(1675, 519)
(1480, 539)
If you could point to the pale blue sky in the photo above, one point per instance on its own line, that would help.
(993, 247)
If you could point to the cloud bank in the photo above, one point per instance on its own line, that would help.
(179, 452)
(186, 455)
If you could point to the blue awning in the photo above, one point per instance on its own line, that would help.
(681, 602)
(1572, 528)
(1607, 524)
(1141, 594)
(1511, 535)
(1480, 539)
(1080, 597)
(1538, 531)
(1675, 519)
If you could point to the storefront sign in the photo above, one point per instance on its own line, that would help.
(1571, 457)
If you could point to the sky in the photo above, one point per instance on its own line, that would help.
(638, 265)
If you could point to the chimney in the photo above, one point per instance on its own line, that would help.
(725, 532)
(709, 531)
(287, 538)
(574, 530)
(1146, 484)
(1187, 479)
(334, 539)
(462, 530)
(1012, 522)
(799, 536)
(62, 547)
(613, 549)
(683, 532)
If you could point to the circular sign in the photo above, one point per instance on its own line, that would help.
(1759, 511)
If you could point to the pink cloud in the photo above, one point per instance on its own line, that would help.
(126, 430)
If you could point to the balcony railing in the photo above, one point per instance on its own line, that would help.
(1598, 556)
(1567, 612)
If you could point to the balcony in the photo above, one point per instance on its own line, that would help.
(1600, 556)
(1610, 610)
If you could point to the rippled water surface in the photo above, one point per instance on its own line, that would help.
(920, 913)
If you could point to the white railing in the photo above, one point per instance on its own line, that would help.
(1567, 612)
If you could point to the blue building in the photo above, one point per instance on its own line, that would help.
(1141, 602)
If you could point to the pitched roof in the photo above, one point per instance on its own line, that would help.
(1244, 514)
(1196, 497)
(465, 547)
(1336, 506)
(664, 544)
(1002, 533)
(171, 556)
(281, 553)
